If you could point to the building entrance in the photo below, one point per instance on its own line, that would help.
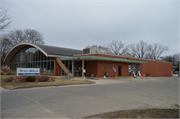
(75, 67)
(119, 70)
(135, 68)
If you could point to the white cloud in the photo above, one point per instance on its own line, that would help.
(78, 24)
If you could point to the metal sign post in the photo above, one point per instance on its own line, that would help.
(114, 70)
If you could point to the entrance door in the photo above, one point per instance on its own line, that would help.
(135, 68)
(119, 70)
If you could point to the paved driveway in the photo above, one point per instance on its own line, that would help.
(85, 100)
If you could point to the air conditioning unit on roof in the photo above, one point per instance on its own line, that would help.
(90, 51)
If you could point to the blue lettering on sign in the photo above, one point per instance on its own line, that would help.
(28, 73)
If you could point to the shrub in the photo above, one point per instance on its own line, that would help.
(43, 79)
(10, 79)
(46, 79)
(16, 78)
(30, 78)
(2, 72)
(6, 71)
(22, 78)
(52, 79)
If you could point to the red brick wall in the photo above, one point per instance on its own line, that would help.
(153, 68)
(23, 78)
(110, 64)
(157, 68)
(57, 69)
(98, 67)
(48, 74)
(91, 67)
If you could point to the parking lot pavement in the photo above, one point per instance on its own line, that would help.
(79, 101)
(15, 105)
(129, 79)
(31, 111)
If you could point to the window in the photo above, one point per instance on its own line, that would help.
(68, 65)
(52, 67)
(32, 58)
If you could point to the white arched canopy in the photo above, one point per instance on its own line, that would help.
(17, 48)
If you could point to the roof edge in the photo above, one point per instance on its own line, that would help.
(102, 58)
(21, 44)
(125, 57)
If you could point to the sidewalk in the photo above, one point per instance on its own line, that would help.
(3, 90)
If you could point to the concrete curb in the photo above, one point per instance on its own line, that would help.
(21, 87)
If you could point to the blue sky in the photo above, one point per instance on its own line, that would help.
(76, 24)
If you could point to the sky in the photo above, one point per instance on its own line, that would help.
(79, 23)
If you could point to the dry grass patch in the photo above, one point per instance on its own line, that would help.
(10, 85)
(143, 113)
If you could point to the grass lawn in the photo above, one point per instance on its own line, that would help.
(9, 85)
(144, 113)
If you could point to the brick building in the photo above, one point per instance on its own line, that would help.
(28, 55)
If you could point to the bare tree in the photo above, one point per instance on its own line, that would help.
(5, 20)
(101, 49)
(118, 48)
(156, 50)
(5, 47)
(24, 36)
(176, 59)
(166, 58)
(15, 37)
(177, 68)
(33, 36)
(171, 58)
(139, 50)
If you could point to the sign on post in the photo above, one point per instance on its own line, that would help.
(129, 68)
(27, 71)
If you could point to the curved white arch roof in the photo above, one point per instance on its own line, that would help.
(50, 51)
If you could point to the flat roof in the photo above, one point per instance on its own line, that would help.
(102, 58)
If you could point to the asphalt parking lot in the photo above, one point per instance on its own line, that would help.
(79, 101)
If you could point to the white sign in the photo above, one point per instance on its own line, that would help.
(139, 73)
(28, 71)
(134, 73)
(129, 68)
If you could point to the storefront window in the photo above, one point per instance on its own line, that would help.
(32, 58)
(68, 65)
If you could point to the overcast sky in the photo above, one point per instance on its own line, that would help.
(76, 24)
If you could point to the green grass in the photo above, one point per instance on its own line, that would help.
(143, 113)
(9, 85)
